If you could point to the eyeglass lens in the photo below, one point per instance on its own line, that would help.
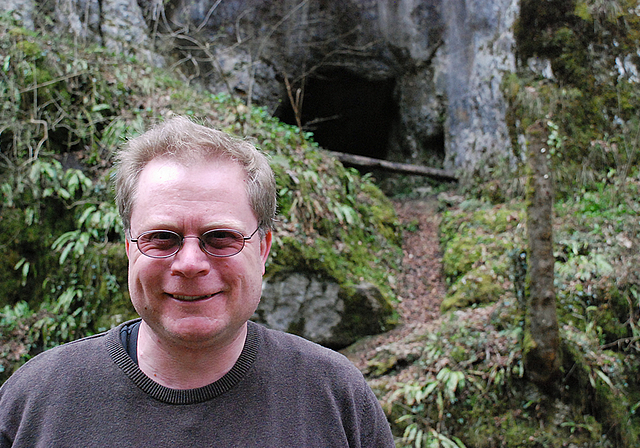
(165, 243)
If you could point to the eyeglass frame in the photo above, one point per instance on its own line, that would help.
(202, 244)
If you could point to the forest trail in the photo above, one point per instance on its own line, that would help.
(420, 283)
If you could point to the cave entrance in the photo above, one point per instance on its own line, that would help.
(346, 113)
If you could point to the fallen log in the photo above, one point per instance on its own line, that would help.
(404, 168)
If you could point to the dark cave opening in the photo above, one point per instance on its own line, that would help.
(346, 113)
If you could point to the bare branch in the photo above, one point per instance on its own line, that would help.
(206, 19)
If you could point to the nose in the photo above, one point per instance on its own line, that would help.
(190, 261)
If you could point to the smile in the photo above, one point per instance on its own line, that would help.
(190, 298)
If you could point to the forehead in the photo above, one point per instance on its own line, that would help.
(168, 187)
(168, 172)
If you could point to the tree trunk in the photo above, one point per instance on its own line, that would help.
(542, 341)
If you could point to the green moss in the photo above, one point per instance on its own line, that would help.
(365, 297)
(475, 288)
(582, 10)
(460, 255)
(480, 239)
(585, 387)
(30, 49)
(375, 202)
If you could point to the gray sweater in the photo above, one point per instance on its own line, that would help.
(282, 392)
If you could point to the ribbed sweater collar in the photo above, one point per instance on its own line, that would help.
(188, 396)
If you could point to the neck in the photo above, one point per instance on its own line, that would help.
(180, 367)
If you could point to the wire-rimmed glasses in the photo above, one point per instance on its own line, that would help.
(216, 242)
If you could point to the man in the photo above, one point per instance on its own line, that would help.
(198, 207)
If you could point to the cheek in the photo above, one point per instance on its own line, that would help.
(143, 275)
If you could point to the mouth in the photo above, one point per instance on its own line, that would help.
(190, 298)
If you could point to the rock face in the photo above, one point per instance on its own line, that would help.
(413, 80)
(321, 310)
(480, 47)
(410, 80)
(118, 25)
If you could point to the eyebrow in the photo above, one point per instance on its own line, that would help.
(231, 225)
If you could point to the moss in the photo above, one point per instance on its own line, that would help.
(615, 312)
(475, 288)
(476, 259)
(292, 252)
(586, 389)
(30, 49)
(612, 329)
(460, 255)
(382, 212)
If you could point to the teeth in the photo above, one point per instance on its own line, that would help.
(189, 298)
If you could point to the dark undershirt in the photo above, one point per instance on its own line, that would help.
(129, 339)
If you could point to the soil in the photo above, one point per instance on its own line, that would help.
(420, 287)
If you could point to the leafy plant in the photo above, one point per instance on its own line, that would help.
(419, 432)
(65, 109)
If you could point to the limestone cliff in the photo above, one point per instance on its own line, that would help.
(412, 80)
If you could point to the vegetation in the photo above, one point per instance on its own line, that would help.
(65, 109)
(461, 383)
(466, 382)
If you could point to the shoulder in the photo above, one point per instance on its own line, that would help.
(286, 353)
(53, 364)
(293, 347)
(325, 381)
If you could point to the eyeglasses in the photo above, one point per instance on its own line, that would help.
(166, 243)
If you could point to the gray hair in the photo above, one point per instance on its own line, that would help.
(186, 142)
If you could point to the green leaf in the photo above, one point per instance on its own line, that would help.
(604, 378)
(64, 238)
(430, 388)
(65, 253)
(83, 218)
(99, 107)
(73, 182)
(63, 193)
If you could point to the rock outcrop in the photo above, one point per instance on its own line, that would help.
(410, 81)
(321, 310)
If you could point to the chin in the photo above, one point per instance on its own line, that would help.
(202, 331)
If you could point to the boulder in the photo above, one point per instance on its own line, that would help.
(321, 310)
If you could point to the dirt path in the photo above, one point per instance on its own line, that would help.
(421, 285)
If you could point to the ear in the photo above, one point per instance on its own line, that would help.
(127, 246)
(265, 247)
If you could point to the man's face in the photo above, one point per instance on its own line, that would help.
(193, 299)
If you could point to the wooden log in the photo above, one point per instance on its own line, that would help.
(404, 168)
